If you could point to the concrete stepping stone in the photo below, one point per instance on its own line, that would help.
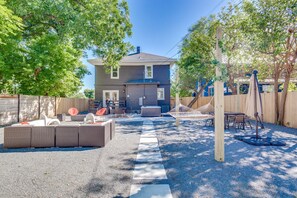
(145, 156)
(148, 147)
(150, 191)
(148, 135)
(149, 171)
(148, 140)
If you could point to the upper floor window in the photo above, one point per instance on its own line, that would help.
(114, 74)
(148, 71)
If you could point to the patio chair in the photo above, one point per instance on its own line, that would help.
(101, 112)
(211, 121)
(239, 122)
(73, 111)
(248, 121)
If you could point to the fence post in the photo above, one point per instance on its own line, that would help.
(38, 107)
(19, 104)
(55, 105)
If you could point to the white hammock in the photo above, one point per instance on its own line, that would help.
(207, 108)
(202, 113)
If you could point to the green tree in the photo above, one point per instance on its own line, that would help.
(271, 28)
(10, 29)
(197, 60)
(78, 95)
(10, 24)
(54, 37)
(89, 93)
(235, 45)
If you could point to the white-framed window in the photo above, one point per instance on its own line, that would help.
(149, 71)
(114, 73)
(161, 94)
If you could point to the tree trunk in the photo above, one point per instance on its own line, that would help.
(231, 86)
(276, 109)
(230, 82)
(195, 99)
(277, 72)
(281, 115)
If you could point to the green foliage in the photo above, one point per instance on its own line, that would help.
(89, 93)
(78, 95)
(197, 60)
(9, 23)
(234, 44)
(174, 89)
(266, 25)
(44, 58)
(292, 87)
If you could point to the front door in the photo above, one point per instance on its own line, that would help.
(112, 95)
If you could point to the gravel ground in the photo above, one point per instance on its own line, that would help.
(188, 157)
(248, 171)
(73, 172)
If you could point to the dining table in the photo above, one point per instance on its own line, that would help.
(233, 114)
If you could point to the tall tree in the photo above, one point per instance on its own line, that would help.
(235, 46)
(10, 24)
(271, 27)
(10, 28)
(53, 40)
(197, 60)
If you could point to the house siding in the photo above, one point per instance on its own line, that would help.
(167, 95)
(148, 92)
(161, 73)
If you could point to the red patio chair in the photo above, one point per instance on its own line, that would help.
(73, 111)
(101, 112)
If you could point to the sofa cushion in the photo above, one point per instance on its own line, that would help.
(17, 136)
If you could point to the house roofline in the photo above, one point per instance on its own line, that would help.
(97, 62)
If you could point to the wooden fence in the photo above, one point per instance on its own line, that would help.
(236, 103)
(18, 108)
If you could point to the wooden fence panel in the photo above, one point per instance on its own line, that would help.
(291, 110)
(29, 106)
(237, 103)
(47, 105)
(63, 104)
(8, 110)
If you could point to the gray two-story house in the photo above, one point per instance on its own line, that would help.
(141, 80)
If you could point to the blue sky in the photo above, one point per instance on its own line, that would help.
(158, 25)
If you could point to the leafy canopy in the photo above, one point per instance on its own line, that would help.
(197, 60)
(45, 57)
(89, 93)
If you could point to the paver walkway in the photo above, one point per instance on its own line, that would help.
(149, 176)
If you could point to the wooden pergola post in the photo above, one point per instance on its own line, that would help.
(219, 104)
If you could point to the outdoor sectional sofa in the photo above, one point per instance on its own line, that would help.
(70, 135)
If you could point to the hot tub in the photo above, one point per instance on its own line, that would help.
(150, 111)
